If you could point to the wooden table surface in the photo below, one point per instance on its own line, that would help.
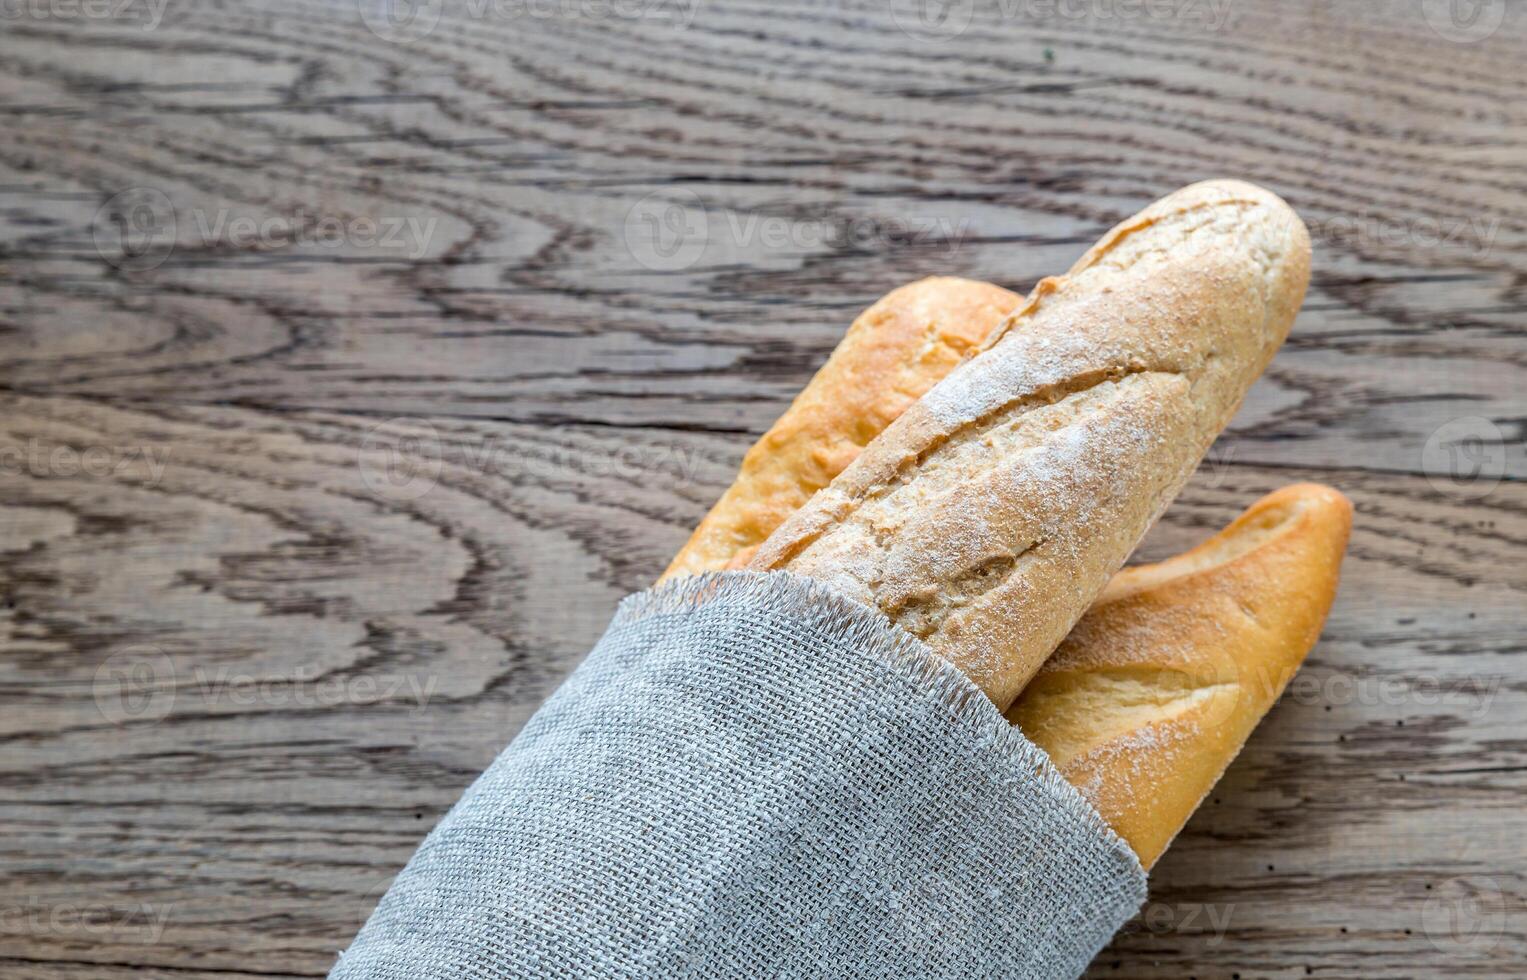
(354, 367)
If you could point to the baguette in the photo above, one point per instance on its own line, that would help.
(1159, 685)
(990, 514)
(894, 352)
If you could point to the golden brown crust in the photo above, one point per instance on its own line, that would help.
(989, 516)
(1157, 688)
(894, 352)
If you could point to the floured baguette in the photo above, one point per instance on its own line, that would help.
(894, 352)
(1157, 688)
(993, 511)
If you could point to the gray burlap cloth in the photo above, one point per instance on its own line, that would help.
(751, 776)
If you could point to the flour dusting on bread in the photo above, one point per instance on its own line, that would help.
(1155, 690)
(991, 513)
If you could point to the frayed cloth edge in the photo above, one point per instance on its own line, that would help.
(824, 610)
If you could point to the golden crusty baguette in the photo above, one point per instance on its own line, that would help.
(894, 352)
(989, 515)
(1157, 688)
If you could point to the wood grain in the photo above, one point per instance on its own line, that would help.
(345, 389)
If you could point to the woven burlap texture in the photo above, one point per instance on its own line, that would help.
(751, 776)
